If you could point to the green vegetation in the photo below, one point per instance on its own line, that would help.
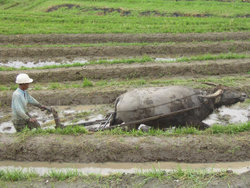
(215, 129)
(16, 175)
(78, 130)
(229, 81)
(144, 59)
(123, 16)
(69, 130)
(84, 45)
(86, 83)
(193, 178)
(61, 176)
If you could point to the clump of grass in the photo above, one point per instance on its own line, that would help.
(154, 173)
(37, 87)
(196, 176)
(16, 175)
(61, 176)
(68, 130)
(54, 86)
(87, 83)
(3, 88)
(229, 129)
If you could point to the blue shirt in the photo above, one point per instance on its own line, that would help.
(20, 99)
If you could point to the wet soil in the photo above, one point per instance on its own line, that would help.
(101, 148)
(125, 71)
(68, 96)
(134, 180)
(124, 38)
(80, 96)
(37, 53)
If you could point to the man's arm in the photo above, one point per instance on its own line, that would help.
(17, 107)
(34, 102)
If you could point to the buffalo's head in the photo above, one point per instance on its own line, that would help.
(226, 97)
(229, 97)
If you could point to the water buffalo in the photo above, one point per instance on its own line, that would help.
(139, 104)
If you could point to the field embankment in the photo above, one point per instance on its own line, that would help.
(94, 148)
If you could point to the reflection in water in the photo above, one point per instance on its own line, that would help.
(110, 167)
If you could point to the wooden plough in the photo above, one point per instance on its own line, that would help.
(107, 121)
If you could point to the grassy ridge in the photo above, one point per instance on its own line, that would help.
(195, 178)
(127, 16)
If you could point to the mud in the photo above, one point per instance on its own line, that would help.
(124, 38)
(123, 51)
(69, 6)
(93, 148)
(68, 97)
(125, 71)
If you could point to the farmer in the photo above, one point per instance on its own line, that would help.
(20, 98)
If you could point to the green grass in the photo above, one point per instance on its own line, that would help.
(69, 130)
(61, 176)
(194, 178)
(30, 17)
(78, 130)
(137, 60)
(86, 83)
(16, 175)
(88, 45)
(84, 45)
(229, 81)
(215, 129)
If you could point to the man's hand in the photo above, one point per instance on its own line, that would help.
(33, 120)
(42, 107)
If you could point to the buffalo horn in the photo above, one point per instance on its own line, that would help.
(216, 94)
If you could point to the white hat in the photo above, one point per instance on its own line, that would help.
(23, 79)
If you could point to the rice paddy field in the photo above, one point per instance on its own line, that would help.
(83, 54)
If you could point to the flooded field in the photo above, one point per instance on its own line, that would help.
(95, 153)
(70, 115)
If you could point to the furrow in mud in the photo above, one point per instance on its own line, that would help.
(123, 71)
(80, 96)
(123, 51)
(126, 38)
(92, 148)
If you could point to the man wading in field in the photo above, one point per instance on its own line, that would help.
(20, 98)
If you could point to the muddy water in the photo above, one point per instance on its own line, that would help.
(28, 64)
(68, 114)
(238, 113)
(33, 64)
(111, 167)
